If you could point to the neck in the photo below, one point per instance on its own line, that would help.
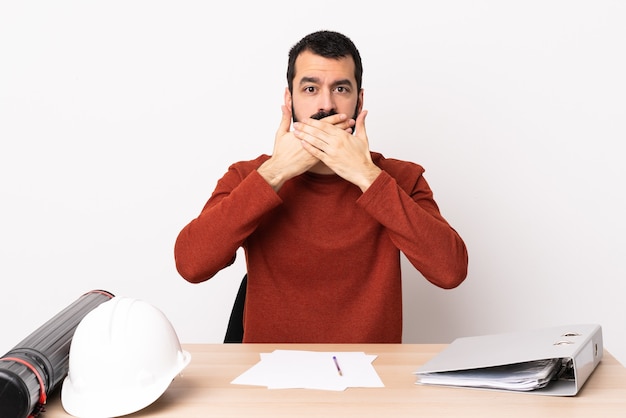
(321, 168)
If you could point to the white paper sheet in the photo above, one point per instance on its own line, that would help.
(525, 376)
(287, 369)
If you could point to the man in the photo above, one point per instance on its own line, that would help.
(323, 219)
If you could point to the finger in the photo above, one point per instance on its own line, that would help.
(347, 125)
(313, 150)
(326, 125)
(360, 123)
(341, 121)
(285, 122)
(335, 119)
(310, 135)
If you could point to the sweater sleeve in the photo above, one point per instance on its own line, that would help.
(417, 228)
(210, 242)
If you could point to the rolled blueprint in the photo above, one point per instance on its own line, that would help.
(39, 363)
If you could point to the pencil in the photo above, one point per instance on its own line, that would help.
(337, 365)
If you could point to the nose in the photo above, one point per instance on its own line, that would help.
(326, 102)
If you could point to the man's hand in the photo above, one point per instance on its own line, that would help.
(290, 158)
(347, 155)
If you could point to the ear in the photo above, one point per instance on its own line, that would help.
(360, 103)
(288, 99)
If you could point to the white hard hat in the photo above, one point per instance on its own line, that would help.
(123, 356)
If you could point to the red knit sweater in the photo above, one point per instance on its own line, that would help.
(323, 258)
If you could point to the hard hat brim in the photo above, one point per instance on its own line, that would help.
(118, 401)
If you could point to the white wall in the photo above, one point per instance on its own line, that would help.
(118, 117)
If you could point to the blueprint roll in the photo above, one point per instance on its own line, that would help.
(38, 364)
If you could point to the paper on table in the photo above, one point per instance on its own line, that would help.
(525, 376)
(285, 369)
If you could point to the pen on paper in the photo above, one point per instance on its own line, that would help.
(337, 365)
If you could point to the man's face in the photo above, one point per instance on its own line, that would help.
(323, 87)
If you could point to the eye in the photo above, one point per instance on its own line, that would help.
(309, 89)
(342, 89)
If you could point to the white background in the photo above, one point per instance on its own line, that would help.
(118, 117)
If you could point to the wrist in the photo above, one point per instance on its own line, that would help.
(271, 175)
(368, 178)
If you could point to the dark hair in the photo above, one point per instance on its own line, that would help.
(327, 44)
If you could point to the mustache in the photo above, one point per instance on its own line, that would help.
(322, 114)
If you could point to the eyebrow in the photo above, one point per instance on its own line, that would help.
(315, 80)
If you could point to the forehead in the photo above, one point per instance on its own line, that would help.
(309, 64)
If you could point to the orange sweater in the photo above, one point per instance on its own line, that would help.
(323, 258)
